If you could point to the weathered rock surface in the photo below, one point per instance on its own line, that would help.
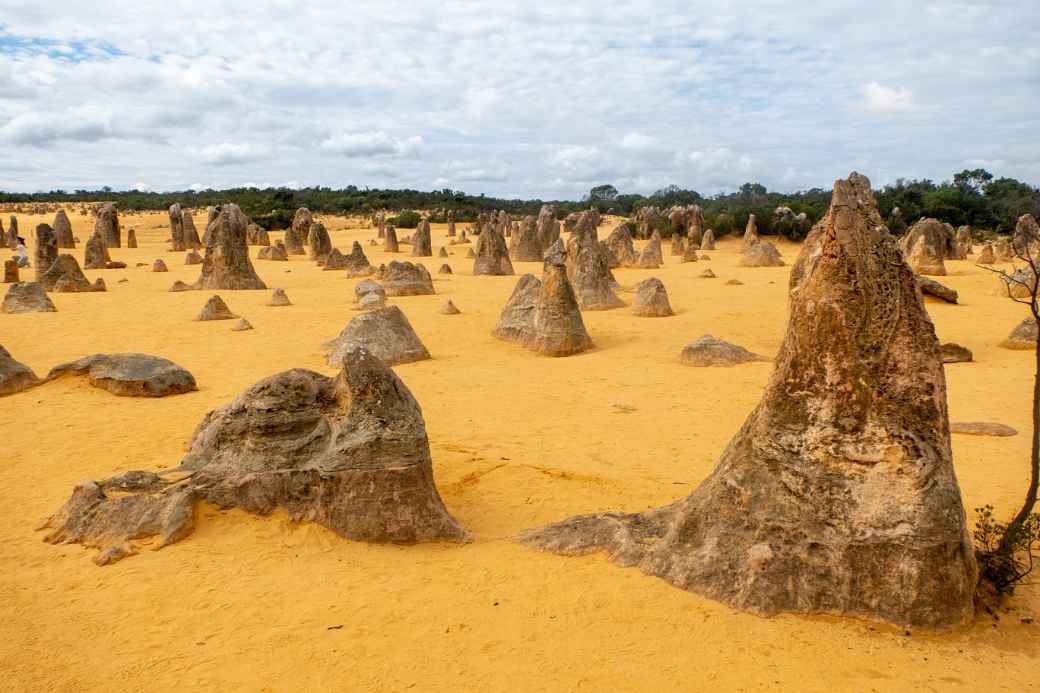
(708, 242)
(227, 264)
(191, 234)
(10, 272)
(274, 252)
(384, 332)
(543, 316)
(939, 290)
(357, 264)
(46, 251)
(369, 295)
(319, 242)
(444, 269)
(838, 495)
(12, 233)
(761, 254)
(130, 374)
(279, 298)
(406, 279)
(678, 245)
(986, 255)
(349, 453)
(526, 243)
(422, 244)
(15, 376)
(176, 228)
(751, 237)
(216, 309)
(390, 244)
(95, 253)
(65, 276)
(296, 235)
(924, 247)
(962, 243)
(622, 249)
(651, 257)
(159, 265)
(588, 267)
(131, 238)
(955, 353)
(1023, 337)
(982, 428)
(27, 297)
(62, 228)
(492, 254)
(193, 258)
(107, 225)
(443, 252)
(651, 299)
(1003, 251)
(709, 351)
(257, 235)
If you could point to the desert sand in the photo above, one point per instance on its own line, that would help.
(518, 440)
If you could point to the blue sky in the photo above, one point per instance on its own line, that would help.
(539, 99)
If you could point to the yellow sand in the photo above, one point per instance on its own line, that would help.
(250, 603)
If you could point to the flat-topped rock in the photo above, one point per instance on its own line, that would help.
(709, 351)
(955, 353)
(982, 428)
(406, 279)
(27, 297)
(130, 374)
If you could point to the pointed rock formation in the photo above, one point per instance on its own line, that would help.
(10, 272)
(176, 228)
(761, 254)
(384, 332)
(46, 251)
(335, 261)
(390, 244)
(548, 227)
(445, 269)
(357, 264)
(296, 235)
(369, 295)
(588, 268)
(651, 299)
(319, 242)
(443, 252)
(349, 453)
(95, 253)
(63, 230)
(543, 316)
(130, 374)
(406, 279)
(622, 249)
(191, 234)
(107, 225)
(838, 495)
(463, 238)
(159, 265)
(179, 286)
(492, 255)
(678, 245)
(14, 375)
(1023, 337)
(216, 309)
(278, 299)
(470, 254)
(65, 276)
(422, 244)
(227, 264)
(707, 274)
(708, 242)
(526, 243)
(27, 297)
(651, 257)
(448, 308)
(751, 237)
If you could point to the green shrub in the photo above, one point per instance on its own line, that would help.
(406, 219)
(1005, 559)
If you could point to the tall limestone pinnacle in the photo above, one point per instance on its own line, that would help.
(838, 494)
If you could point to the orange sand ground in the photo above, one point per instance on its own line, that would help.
(250, 603)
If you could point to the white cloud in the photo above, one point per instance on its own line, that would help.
(638, 142)
(374, 143)
(881, 99)
(234, 153)
(139, 185)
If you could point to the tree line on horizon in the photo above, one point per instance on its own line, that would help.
(972, 197)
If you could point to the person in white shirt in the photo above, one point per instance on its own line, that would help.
(21, 255)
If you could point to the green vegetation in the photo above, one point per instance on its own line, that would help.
(973, 197)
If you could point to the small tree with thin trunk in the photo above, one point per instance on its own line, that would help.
(1007, 552)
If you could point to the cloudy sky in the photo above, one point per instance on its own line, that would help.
(530, 99)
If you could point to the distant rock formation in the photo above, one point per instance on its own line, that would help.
(257, 235)
(63, 230)
(216, 309)
(708, 242)
(448, 308)
(274, 252)
(390, 244)
(159, 265)
(176, 228)
(761, 254)
(751, 237)
(95, 253)
(622, 249)
(46, 251)
(651, 257)
(107, 225)
(279, 298)
(986, 255)
(406, 279)
(709, 351)
(65, 276)
(296, 235)
(319, 242)
(131, 238)
(190, 233)
(492, 255)
(227, 264)
(422, 243)
(588, 267)
(924, 247)
(1023, 337)
(543, 316)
